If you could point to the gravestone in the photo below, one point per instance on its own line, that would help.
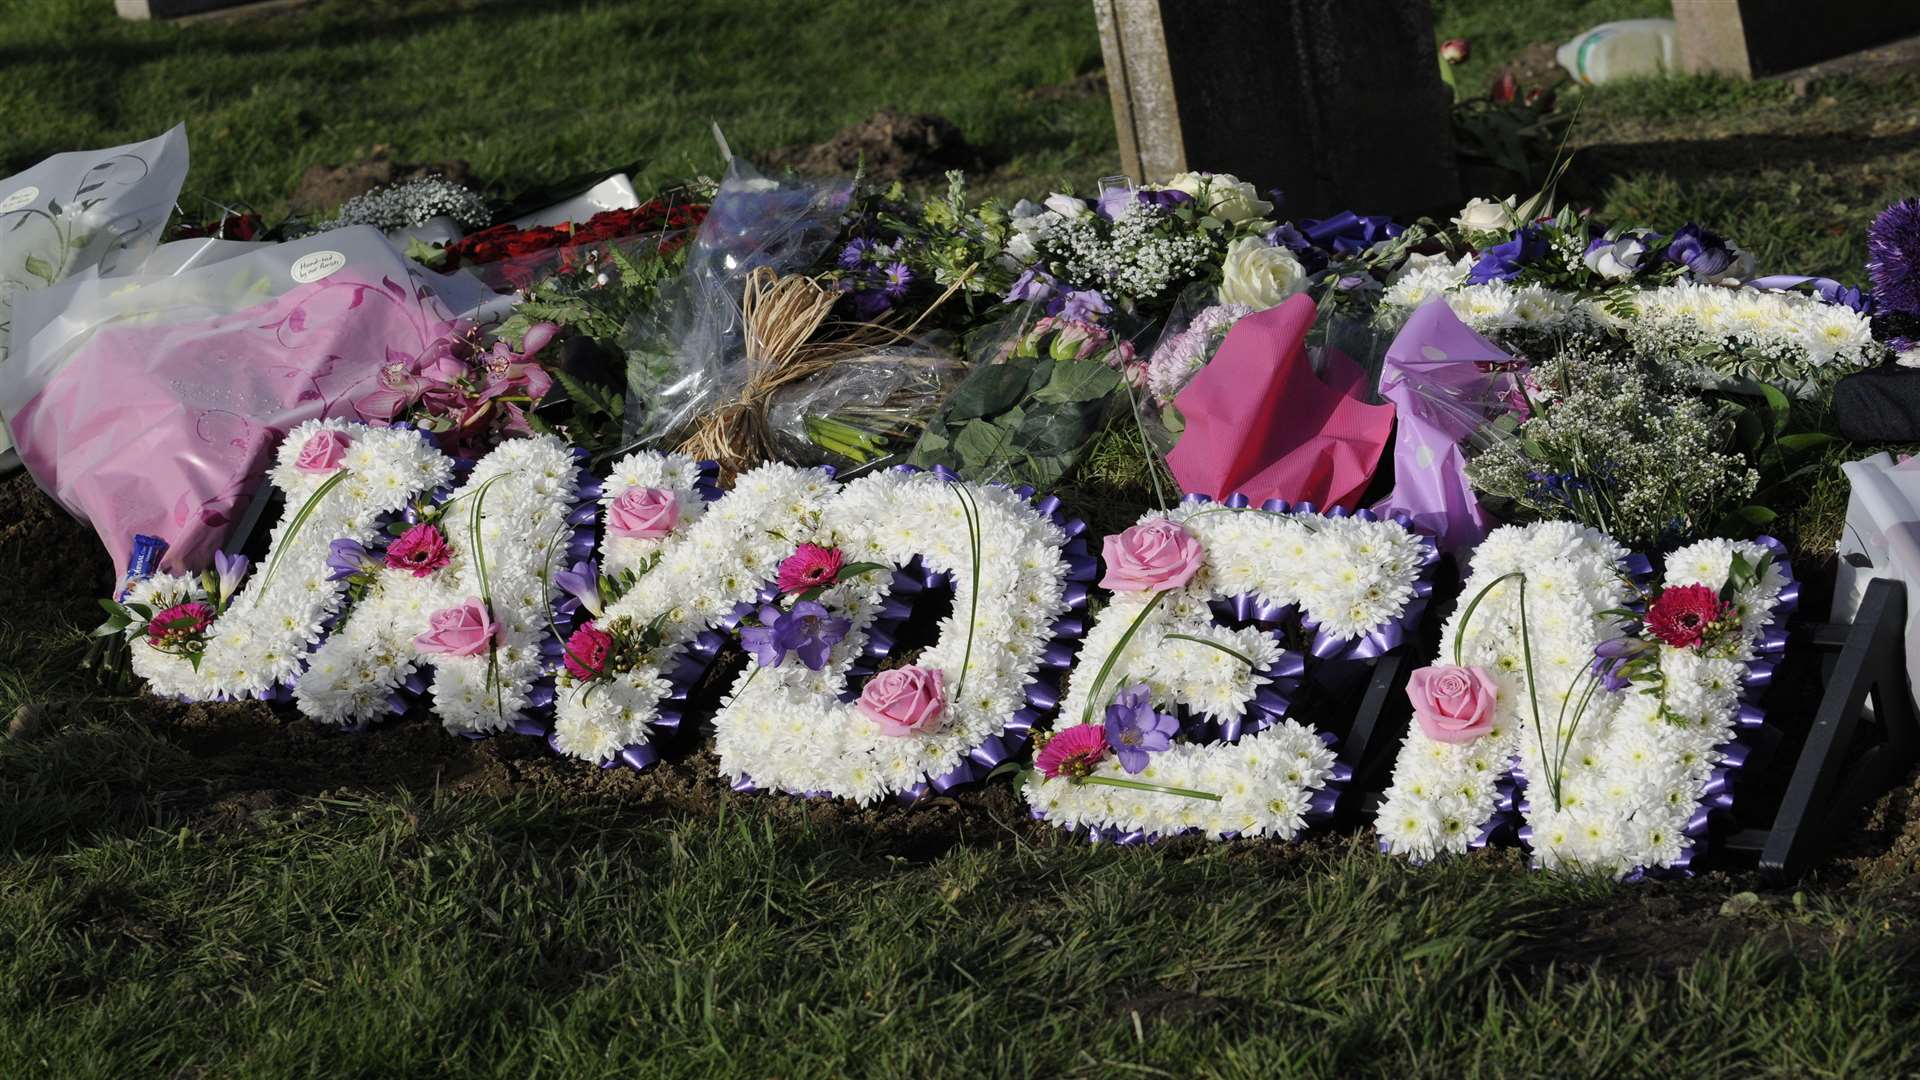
(1339, 103)
(1752, 38)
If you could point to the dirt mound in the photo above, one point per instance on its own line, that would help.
(44, 553)
(324, 187)
(889, 145)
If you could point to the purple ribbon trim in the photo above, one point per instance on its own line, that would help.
(1716, 798)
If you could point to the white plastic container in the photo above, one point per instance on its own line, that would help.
(1621, 50)
(614, 193)
(1881, 540)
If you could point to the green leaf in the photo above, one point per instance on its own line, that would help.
(1756, 515)
(40, 268)
(1055, 431)
(980, 443)
(1083, 380)
(1806, 440)
(989, 391)
(1777, 402)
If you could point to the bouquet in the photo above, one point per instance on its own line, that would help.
(1608, 443)
(1032, 414)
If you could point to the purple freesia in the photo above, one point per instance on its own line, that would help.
(1134, 730)
(231, 570)
(1502, 262)
(1610, 659)
(808, 631)
(346, 557)
(582, 583)
(763, 641)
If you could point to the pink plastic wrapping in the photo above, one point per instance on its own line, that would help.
(154, 403)
(1260, 422)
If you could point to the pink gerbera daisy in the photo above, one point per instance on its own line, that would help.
(809, 567)
(1072, 752)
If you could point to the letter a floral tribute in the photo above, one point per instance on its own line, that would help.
(1218, 609)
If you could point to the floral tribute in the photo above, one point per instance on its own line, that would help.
(1597, 713)
(831, 703)
(228, 634)
(464, 583)
(1176, 718)
(621, 679)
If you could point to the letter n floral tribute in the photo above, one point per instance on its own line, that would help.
(1178, 715)
(1598, 715)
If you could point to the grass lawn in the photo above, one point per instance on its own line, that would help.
(217, 891)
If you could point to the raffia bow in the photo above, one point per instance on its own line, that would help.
(780, 316)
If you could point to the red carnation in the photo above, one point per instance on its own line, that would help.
(587, 652)
(1683, 616)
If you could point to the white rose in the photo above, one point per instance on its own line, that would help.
(1259, 275)
(1228, 197)
(1485, 215)
(1066, 205)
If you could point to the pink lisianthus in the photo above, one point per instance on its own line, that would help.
(179, 625)
(1154, 555)
(322, 452)
(1072, 752)
(810, 566)
(420, 551)
(643, 513)
(1453, 704)
(905, 701)
(587, 651)
(465, 630)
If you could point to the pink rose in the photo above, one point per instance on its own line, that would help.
(1453, 704)
(322, 453)
(1154, 555)
(643, 513)
(467, 630)
(905, 701)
